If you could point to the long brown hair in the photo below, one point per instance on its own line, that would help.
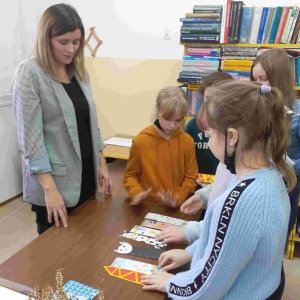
(57, 20)
(276, 64)
(259, 118)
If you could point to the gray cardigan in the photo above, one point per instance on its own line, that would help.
(47, 133)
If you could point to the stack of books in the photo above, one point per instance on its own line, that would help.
(203, 25)
(237, 61)
(199, 63)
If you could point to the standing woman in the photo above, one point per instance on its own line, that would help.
(57, 123)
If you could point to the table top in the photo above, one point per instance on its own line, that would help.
(119, 152)
(86, 246)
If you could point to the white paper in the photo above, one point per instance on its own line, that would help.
(119, 142)
(11, 295)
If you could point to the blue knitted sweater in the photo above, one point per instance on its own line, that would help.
(240, 250)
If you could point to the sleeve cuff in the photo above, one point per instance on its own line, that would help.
(205, 193)
(38, 165)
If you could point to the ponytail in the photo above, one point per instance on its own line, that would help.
(278, 141)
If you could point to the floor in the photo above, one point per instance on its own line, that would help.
(18, 228)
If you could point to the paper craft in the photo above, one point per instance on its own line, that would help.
(138, 251)
(154, 224)
(166, 219)
(141, 238)
(205, 178)
(135, 266)
(131, 276)
(145, 231)
(119, 142)
(79, 291)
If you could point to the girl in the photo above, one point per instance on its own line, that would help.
(239, 253)
(57, 122)
(162, 163)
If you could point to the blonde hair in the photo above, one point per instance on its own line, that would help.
(171, 100)
(55, 21)
(260, 118)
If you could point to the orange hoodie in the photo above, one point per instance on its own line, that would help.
(162, 164)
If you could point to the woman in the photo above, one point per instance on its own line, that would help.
(61, 145)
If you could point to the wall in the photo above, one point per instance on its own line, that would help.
(10, 163)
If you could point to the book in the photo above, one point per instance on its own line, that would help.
(255, 24)
(262, 24)
(245, 29)
(266, 35)
(203, 15)
(281, 24)
(237, 23)
(200, 38)
(275, 24)
(201, 30)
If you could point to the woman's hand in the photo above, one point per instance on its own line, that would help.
(140, 197)
(167, 198)
(56, 207)
(171, 234)
(104, 177)
(173, 259)
(192, 205)
(156, 281)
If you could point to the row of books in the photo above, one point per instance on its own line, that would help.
(236, 61)
(234, 22)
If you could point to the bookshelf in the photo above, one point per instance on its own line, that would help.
(293, 238)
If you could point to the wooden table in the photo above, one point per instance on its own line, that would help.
(85, 246)
(119, 152)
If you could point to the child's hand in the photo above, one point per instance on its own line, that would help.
(192, 205)
(173, 259)
(156, 281)
(171, 234)
(167, 198)
(140, 197)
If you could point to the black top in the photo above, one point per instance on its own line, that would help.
(207, 163)
(82, 111)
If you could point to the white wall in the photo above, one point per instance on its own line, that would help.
(10, 162)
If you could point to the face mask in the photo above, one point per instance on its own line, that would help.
(157, 124)
(229, 161)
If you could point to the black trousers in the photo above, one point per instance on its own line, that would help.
(42, 215)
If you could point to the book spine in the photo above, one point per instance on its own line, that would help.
(227, 20)
(238, 21)
(255, 24)
(236, 63)
(281, 25)
(195, 25)
(233, 23)
(298, 71)
(206, 6)
(223, 16)
(266, 39)
(261, 25)
(298, 38)
(196, 11)
(245, 30)
(199, 38)
(203, 15)
(200, 30)
(285, 25)
(275, 24)
(237, 73)
(188, 57)
(203, 54)
(266, 25)
(289, 38)
(296, 30)
(288, 25)
(200, 20)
